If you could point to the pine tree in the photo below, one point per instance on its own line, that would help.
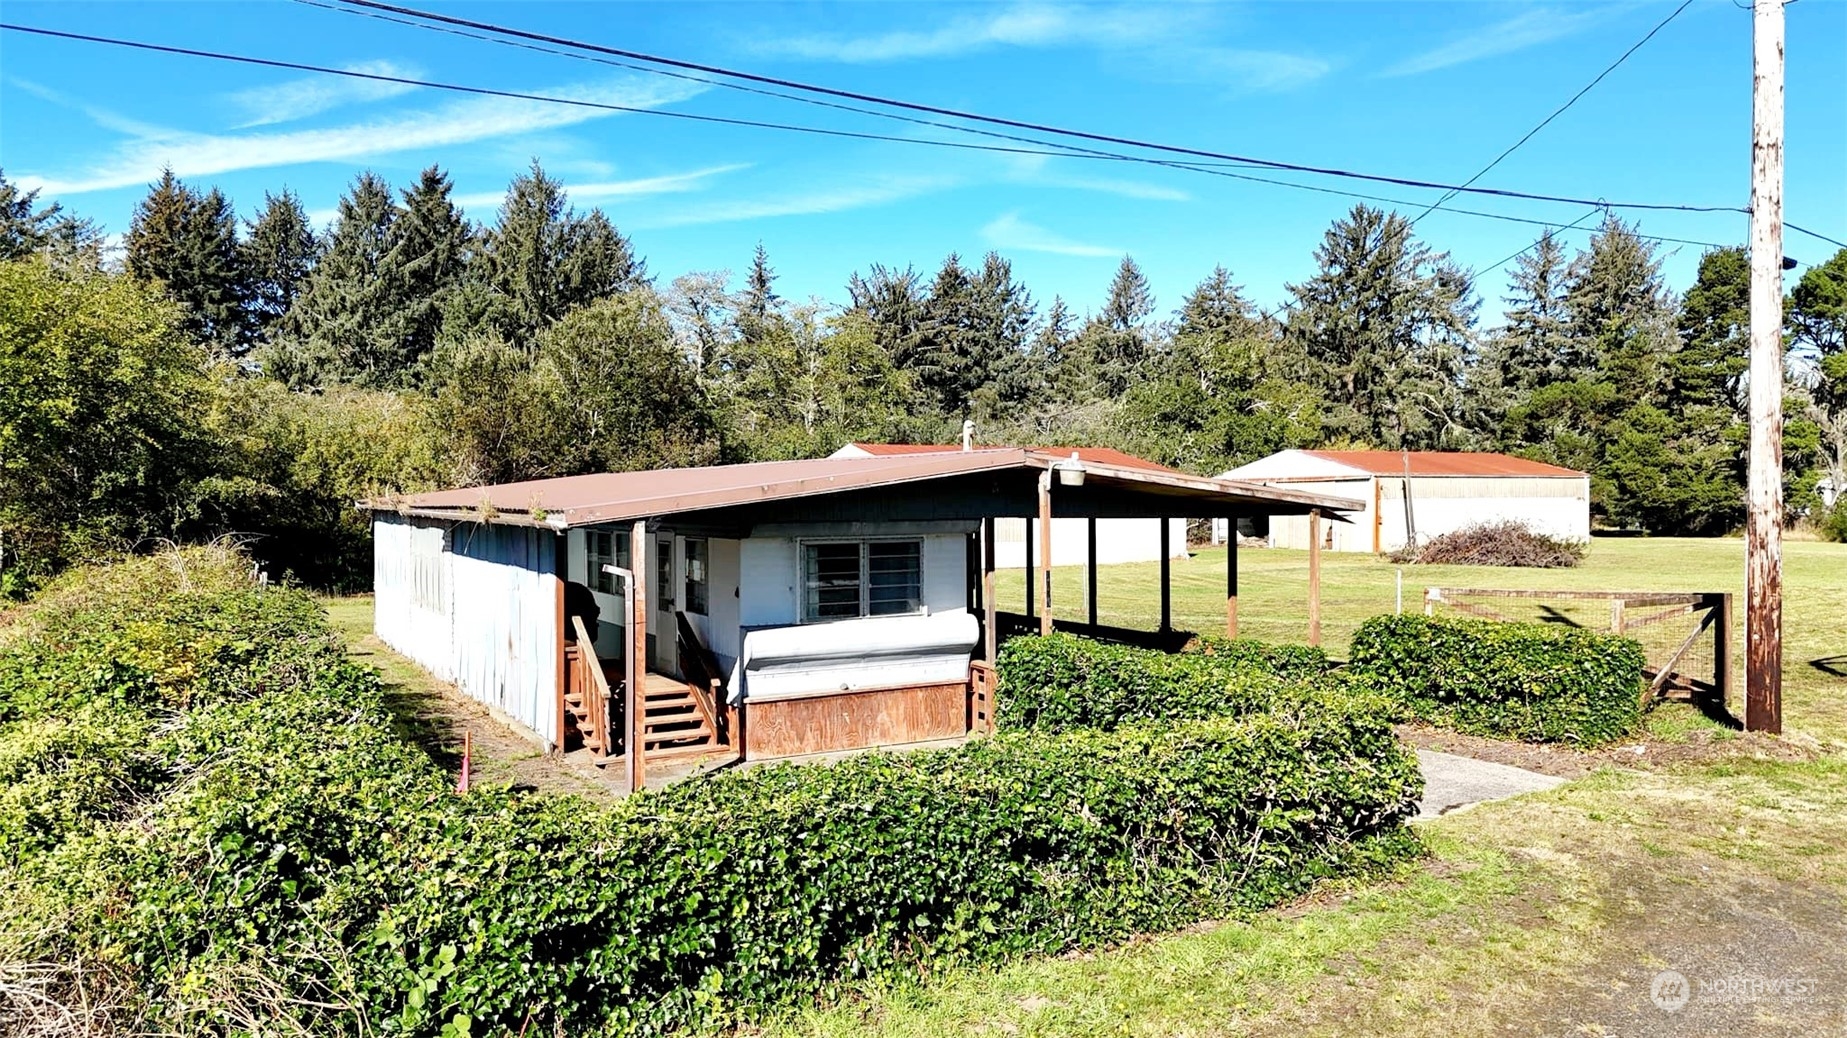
(1384, 325)
(1817, 309)
(760, 297)
(1619, 313)
(544, 259)
(430, 245)
(1535, 346)
(187, 242)
(1116, 345)
(1217, 339)
(278, 254)
(346, 323)
(26, 228)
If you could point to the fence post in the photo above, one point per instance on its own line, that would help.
(1722, 649)
(1616, 615)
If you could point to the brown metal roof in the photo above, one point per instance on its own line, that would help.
(626, 496)
(1443, 463)
(1089, 455)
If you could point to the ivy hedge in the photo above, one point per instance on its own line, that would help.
(1530, 681)
(274, 852)
(1061, 682)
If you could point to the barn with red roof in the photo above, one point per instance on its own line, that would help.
(1417, 495)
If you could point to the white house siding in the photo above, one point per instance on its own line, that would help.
(1118, 540)
(1558, 506)
(475, 605)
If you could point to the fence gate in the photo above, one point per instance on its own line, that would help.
(1685, 635)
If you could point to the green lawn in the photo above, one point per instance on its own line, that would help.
(1273, 585)
(1546, 914)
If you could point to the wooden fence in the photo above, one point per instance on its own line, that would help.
(1685, 635)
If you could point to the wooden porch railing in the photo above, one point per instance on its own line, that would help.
(700, 669)
(585, 677)
(981, 685)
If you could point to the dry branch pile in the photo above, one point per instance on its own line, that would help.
(1509, 543)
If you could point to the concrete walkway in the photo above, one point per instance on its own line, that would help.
(1452, 782)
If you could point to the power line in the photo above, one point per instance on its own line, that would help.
(1196, 153)
(1560, 110)
(1214, 169)
(722, 120)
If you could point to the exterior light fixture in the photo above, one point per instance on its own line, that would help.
(1070, 471)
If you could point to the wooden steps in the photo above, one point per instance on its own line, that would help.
(672, 718)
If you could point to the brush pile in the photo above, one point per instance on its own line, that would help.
(1508, 543)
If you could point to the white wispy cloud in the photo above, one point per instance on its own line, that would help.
(312, 95)
(1021, 25)
(1526, 29)
(140, 159)
(1010, 232)
(809, 203)
(1161, 42)
(672, 183)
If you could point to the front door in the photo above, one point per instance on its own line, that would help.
(664, 628)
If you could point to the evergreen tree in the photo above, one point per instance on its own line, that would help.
(1384, 326)
(760, 297)
(1116, 344)
(26, 228)
(1817, 318)
(278, 254)
(187, 243)
(892, 304)
(430, 246)
(1534, 343)
(1618, 313)
(543, 259)
(346, 322)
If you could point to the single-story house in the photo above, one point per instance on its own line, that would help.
(1117, 540)
(761, 610)
(1419, 495)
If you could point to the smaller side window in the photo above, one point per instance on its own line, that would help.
(696, 575)
(605, 548)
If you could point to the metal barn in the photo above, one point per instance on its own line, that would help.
(1422, 494)
(767, 610)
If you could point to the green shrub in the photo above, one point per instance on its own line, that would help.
(1537, 682)
(287, 857)
(1060, 682)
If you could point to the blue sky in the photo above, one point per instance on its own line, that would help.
(1422, 90)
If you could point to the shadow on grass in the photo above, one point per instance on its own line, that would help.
(1833, 666)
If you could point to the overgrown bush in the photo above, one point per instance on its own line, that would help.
(1832, 524)
(1537, 682)
(1061, 682)
(284, 861)
(1508, 543)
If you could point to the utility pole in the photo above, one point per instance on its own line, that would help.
(1763, 546)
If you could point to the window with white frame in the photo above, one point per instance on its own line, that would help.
(843, 580)
(696, 553)
(605, 548)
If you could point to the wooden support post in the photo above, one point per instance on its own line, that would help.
(1167, 578)
(1763, 537)
(1618, 619)
(1314, 576)
(1090, 570)
(1231, 577)
(1722, 650)
(990, 636)
(560, 559)
(1026, 566)
(634, 698)
(1045, 548)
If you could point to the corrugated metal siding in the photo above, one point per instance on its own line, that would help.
(476, 606)
(1559, 507)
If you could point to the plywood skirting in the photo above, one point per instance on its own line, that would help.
(855, 720)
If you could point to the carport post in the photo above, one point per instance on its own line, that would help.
(1090, 569)
(1167, 577)
(1314, 576)
(1231, 576)
(1026, 567)
(990, 638)
(1045, 547)
(635, 698)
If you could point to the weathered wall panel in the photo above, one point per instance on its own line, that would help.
(475, 605)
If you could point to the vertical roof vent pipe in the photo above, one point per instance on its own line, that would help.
(968, 434)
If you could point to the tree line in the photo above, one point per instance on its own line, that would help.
(256, 375)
